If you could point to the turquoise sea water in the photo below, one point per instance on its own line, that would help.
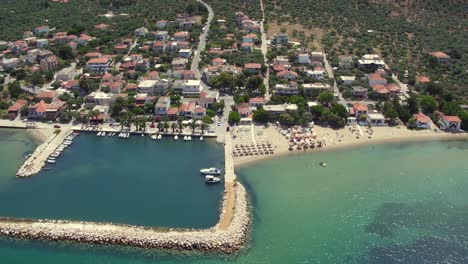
(376, 204)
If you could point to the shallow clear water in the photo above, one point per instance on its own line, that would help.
(377, 204)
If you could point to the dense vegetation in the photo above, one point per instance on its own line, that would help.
(23, 15)
(402, 33)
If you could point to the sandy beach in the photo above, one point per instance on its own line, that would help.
(345, 138)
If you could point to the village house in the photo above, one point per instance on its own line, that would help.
(422, 121)
(48, 63)
(141, 32)
(360, 91)
(218, 61)
(42, 43)
(253, 67)
(98, 65)
(387, 90)
(47, 96)
(376, 78)
(371, 62)
(280, 39)
(450, 123)
(247, 47)
(188, 75)
(286, 89)
(303, 58)
(161, 23)
(317, 56)
(93, 55)
(159, 46)
(213, 71)
(43, 110)
(359, 109)
(376, 119)
(440, 56)
(41, 30)
(162, 106)
(346, 61)
(208, 99)
(249, 38)
(15, 109)
(288, 75)
(421, 79)
(181, 36)
(146, 86)
(347, 80)
(101, 26)
(179, 63)
(187, 24)
(315, 88)
(282, 60)
(280, 109)
(316, 74)
(71, 85)
(257, 102)
(187, 87)
(161, 35)
(185, 53)
(121, 48)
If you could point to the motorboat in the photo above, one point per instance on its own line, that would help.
(212, 179)
(323, 164)
(103, 134)
(142, 135)
(153, 137)
(185, 138)
(99, 134)
(176, 137)
(51, 161)
(189, 138)
(212, 171)
(201, 138)
(159, 136)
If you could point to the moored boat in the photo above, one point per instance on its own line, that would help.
(201, 138)
(212, 179)
(153, 137)
(212, 171)
(159, 136)
(176, 137)
(51, 161)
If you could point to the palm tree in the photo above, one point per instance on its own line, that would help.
(166, 126)
(179, 123)
(193, 126)
(173, 127)
(160, 126)
(203, 126)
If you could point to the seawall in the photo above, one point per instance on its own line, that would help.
(226, 240)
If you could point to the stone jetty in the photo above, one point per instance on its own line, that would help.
(37, 160)
(226, 240)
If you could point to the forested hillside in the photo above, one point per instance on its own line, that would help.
(403, 31)
(17, 16)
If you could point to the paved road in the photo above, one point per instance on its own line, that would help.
(329, 70)
(264, 48)
(202, 44)
(223, 120)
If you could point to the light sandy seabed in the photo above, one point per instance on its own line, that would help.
(348, 139)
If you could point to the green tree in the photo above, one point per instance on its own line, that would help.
(428, 104)
(36, 79)
(451, 108)
(234, 117)
(14, 89)
(340, 110)
(65, 52)
(286, 119)
(262, 116)
(325, 98)
(412, 122)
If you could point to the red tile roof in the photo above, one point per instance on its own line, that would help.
(98, 60)
(454, 119)
(422, 118)
(253, 66)
(439, 55)
(422, 79)
(360, 107)
(286, 72)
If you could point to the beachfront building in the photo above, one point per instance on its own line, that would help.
(281, 108)
(359, 109)
(43, 110)
(376, 119)
(162, 106)
(450, 123)
(422, 121)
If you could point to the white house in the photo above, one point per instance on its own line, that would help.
(450, 123)
(422, 120)
(162, 106)
(141, 32)
(348, 80)
(188, 87)
(146, 86)
(303, 58)
(376, 119)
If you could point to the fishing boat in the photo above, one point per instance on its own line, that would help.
(212, 179)
(211, 171)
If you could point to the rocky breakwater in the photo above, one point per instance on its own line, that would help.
(225, 240)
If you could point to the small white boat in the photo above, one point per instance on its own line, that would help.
(189, 138)
(159, 136)
(153, 137)
(99, 134)
(212, 179)
(51, 161)
(176, 137)
(201, 138)
(185, 138)
(142, 135)
(103, 134)
(212, 171)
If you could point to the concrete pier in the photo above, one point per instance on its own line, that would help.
(37, 161)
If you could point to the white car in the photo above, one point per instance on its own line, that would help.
(219, 124)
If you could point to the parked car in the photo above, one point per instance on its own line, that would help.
(56, 126)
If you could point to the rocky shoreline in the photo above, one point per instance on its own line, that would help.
(213, 239)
